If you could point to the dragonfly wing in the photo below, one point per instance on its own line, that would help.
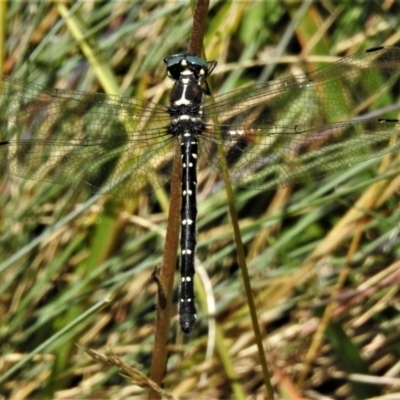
(328, 95)
(114, 165)
(266, 157)
(292, 129)
(102, 142)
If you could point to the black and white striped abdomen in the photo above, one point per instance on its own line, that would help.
(187, 309)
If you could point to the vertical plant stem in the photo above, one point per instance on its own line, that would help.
(199, 27)
(165, 278)
(245, 275)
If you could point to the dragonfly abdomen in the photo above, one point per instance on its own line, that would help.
(187, 308)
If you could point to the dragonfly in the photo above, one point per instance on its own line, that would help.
(272, 134)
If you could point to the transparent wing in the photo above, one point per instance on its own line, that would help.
(104, 143)
(266, 157)
(291, 130)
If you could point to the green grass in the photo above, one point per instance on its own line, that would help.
(77, 269)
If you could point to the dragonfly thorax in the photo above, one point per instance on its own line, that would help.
(187, 94)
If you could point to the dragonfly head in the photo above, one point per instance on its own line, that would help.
(185, 64)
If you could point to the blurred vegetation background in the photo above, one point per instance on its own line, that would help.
(323, 256)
